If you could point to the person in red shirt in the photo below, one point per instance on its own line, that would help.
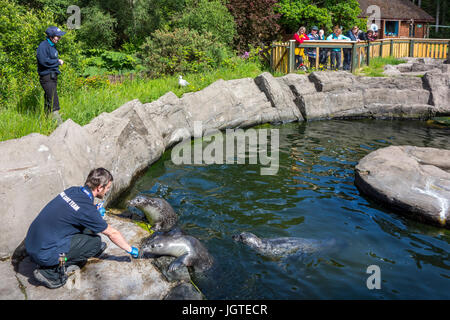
(300, 36)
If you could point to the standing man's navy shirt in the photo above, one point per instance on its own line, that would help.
(66, 215)
(47, 58)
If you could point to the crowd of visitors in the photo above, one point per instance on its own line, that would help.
(355, 34)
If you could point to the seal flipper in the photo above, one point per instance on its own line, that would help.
(177, 263)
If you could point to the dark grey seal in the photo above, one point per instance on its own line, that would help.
(188, 250)
(158, 212)
(278, 247)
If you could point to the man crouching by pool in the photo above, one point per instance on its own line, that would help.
(64, 234)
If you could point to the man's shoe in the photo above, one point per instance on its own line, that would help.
(51, 284)
(102, 249)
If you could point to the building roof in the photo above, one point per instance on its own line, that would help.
(396, 10)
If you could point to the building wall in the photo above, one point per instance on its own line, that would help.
(420, 32)
(403, 30)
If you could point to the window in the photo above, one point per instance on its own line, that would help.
(391, 28)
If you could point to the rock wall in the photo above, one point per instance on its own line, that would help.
(127, 141)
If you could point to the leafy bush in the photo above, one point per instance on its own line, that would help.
(256, 22)
(308, 13)
(99, 62)
(181, 51)
(97, 29)
(208, 16)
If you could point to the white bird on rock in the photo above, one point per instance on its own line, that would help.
(182, 82)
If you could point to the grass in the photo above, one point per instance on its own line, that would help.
(376, 66)
(84, 104)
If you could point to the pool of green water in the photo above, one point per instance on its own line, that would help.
(311, 196)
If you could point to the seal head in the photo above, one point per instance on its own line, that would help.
(158, 212)
(278, 247)
(188, 250)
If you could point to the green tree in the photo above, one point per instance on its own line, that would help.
(322, 13)
(137, 19)
(303, 13)
(208, 16)
(97, 29)
(256, 22)
(181, 51)
(57, 7)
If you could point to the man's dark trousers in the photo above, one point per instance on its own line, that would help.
(82, 246)
(49, 84)
(347, 59)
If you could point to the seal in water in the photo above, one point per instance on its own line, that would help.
(158, 212)
(188, 250)
(277, 247)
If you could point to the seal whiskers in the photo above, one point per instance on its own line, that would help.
(158, 212)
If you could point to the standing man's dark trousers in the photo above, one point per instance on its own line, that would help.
(49, 84)
(82, 246)
(347, 59)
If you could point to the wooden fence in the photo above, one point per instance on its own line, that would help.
(283, 57)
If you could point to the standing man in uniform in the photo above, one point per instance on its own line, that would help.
(48, 63)
(67, 228)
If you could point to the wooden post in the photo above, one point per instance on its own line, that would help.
(317, 58)
(355, 58)
(448, 53)
(271, 58)
(381, 49)
(291, 66)
(391, 49)
(411, 47)
(368, 54)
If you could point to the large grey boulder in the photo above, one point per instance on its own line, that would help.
(329, 81)
(439, 86)
(399, 83)
(34, 169)
(329, 105)
(10, 287)
(395, 96)
(413, 181)
(391, 71)
(280, 96)
(253, 106)
(123, 145)
(169, 118)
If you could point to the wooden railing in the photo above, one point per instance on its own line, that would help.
(283, 55)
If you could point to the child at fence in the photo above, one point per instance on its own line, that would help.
(300, 36)
(323, 52)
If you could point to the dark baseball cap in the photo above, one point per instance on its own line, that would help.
(314, 28)
(54, 31)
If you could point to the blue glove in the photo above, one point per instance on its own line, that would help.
(134, 252)
(101, 209)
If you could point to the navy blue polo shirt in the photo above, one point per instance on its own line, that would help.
(47, 58)
(66, 215)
